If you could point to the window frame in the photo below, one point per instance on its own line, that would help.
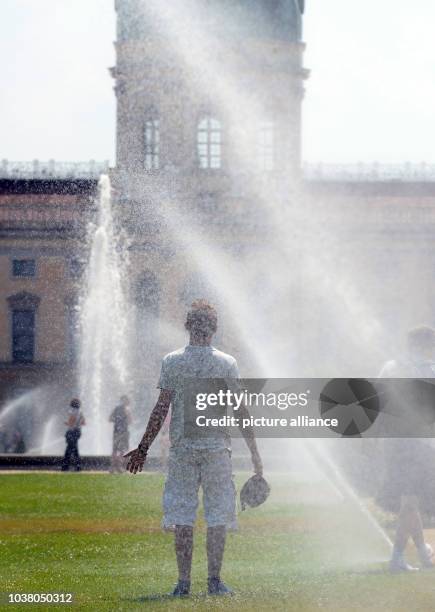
(151, 146)
(209, 143)
(23, 302)
(266, 146)
(19, 355)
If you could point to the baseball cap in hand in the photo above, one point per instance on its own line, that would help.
(254, 492)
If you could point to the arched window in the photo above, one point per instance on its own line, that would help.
(147, 292)
(209, 143)
(266, 145)
(23, 308)
(152, 144)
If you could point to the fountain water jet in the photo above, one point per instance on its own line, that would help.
(14, 404)
(50, 445)
(47, 436)
(104, 371)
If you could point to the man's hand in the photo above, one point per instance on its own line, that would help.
(136, 460)
(136, 457)
(257, 463)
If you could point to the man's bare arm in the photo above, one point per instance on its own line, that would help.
(157, 418)
(249, 436)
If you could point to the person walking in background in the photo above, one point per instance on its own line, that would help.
(17, 446)
(121, 418)
(410, 461)
(74, 424)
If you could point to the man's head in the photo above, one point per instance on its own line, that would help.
(75, 403)
(201, 321)
(125, 400)
(421, 342)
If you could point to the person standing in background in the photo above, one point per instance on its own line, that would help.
(74, 424)
(121, 418)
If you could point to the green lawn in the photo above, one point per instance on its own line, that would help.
(98, 536)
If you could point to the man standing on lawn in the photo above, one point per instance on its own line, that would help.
(195, 462)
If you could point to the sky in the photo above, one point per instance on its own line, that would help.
(370, 96)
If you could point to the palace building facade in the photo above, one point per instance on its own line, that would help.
(44, 210)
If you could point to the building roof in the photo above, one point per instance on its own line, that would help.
(33, 200)
(52, 170)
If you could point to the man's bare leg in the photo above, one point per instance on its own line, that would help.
(215, 549)
(184, 551)
(415, 526)
(215, 553)
(409, 524)
(402, 532)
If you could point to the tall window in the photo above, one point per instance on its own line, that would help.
(266, 145)
(23, 336)
(152, 144)
(210, 143)
(23, 308)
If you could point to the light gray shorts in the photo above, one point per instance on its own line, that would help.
(188, 469)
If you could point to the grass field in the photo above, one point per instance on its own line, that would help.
(98, 536)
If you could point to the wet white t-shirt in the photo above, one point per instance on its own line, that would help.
(193, 362)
